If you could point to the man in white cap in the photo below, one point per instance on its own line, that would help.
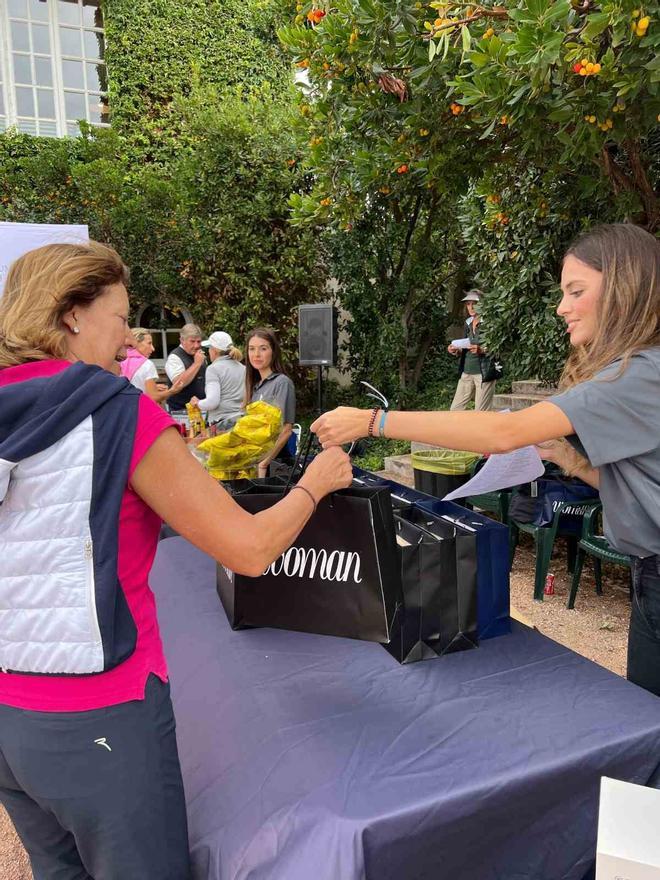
(225, 381)
(475, 366)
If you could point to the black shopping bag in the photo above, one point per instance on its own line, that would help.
(341, 577)
(492, 550)
(439, 580)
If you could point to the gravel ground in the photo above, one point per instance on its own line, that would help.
(598, 626)
(597, 629)
(14, 863)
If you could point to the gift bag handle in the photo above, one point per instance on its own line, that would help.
(371, 392)
(304, 454)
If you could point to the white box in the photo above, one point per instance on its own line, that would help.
(628, 832)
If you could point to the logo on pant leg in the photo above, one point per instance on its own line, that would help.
(101, 741)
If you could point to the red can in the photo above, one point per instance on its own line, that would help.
(549, 588)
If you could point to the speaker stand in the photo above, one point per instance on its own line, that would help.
(319, 389)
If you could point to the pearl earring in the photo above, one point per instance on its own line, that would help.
(76, 329)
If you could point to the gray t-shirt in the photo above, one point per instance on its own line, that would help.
(225, 389)
(279, 390)
(617, 423)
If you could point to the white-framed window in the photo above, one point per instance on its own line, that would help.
(52, 71)
(164, 325)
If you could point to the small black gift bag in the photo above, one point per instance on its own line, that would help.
(439, 580)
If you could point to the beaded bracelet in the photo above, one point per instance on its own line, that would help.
(313, 500)
(372, 421)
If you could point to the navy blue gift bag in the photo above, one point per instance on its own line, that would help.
(536, 503)
(492, 550)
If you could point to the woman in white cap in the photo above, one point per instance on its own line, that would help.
(475, 367)
(225, 381)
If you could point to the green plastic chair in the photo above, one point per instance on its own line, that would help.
(596, 546)
(544, 540)
(493, 502)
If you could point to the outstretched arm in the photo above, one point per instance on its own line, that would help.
(171, 481)
(472, 431)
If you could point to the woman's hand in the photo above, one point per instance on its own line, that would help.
(476, 349)
(555, 451)
(569, 460)
(452, 349)
(327, 472)
(194, 400)
(262, 468)
(341, 425)
(176, 386)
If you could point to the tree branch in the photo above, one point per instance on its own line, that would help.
(496, 12)
(640, 177)
(409, 234)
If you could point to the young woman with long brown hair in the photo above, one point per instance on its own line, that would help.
(608, 410)
(266, 379)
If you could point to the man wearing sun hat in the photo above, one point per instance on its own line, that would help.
(225, 381)
(476, 368)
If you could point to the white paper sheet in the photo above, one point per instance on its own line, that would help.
(502, 472)
(17, 239)
(461, 343)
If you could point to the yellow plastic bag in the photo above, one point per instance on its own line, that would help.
(236, 453)
(195, 419)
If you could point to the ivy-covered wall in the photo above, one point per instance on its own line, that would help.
(158, 50)
(191, 183)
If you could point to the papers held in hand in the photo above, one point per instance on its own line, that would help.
(461, 343)
(501, 471)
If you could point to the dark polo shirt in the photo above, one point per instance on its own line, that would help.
(278, 390)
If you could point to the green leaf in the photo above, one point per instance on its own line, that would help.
(596, 24)
(564, 138)
(466, 39)
(489, 130)
(561, 114)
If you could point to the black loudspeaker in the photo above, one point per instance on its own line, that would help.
(317, 335)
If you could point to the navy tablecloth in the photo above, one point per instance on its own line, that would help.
(314, 758)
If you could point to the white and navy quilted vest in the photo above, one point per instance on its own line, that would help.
(65, 448)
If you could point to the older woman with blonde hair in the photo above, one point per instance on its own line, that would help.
(225, 382)
(89, 770)
(141, 371)
(608, 410)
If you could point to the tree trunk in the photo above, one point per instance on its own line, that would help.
(426, 342)
(637, 181)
